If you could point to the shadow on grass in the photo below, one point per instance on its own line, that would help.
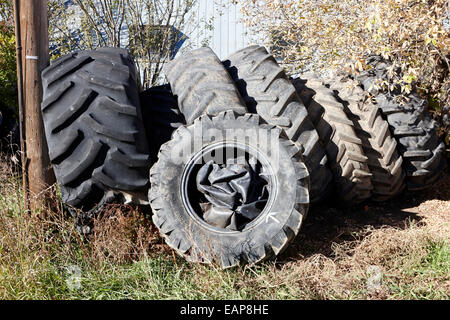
(326, 225)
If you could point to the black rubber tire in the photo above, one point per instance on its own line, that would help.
(348, 162)
(267, 90)
(161, 117)
(379, 146)
(412, 126)
(202, 85)
(94, 129)
(265, 238)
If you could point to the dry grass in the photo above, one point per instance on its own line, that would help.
(397, 254)
(395, 250)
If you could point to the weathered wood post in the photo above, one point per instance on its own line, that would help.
(32, 58)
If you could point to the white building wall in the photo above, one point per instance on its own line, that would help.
(214, 23)
(217, 24)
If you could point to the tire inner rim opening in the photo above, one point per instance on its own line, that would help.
(227, 186)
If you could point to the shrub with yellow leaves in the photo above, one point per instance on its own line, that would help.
(326, 35)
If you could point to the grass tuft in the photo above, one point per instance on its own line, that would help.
(398, 250)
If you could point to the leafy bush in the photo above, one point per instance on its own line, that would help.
(149, 29)
(338, 34)
(8, 76)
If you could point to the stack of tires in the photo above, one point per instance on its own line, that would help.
(230, 153)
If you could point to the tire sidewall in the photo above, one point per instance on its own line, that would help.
(282, 199)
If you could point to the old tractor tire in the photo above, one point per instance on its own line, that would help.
(202, 85)
(267, 90)
(174, 197)
(161, 117)
(379, 146)
(92, 119)
(412, 126)
(348, 162)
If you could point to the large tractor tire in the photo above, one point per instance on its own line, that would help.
(202, 85)
(94, 130)
(233, 197)
(161, 117)
(268, 91)
(379, 146)
(348, 162)
(411, 125)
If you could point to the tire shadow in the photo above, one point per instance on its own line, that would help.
(326, 225)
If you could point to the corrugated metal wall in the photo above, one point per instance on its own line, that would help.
(218, 24)
(214, 23)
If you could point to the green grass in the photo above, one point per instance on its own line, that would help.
(430, 274)
(44, 257)
(149, 278)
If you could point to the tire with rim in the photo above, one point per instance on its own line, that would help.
(411, 125)
(380, 147)
(161, 117)
(267, 90)
(202, 85)
(182, 205)
(94, 130)
(9, 130)
(348, 162)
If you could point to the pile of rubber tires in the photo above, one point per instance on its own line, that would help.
(229, 154)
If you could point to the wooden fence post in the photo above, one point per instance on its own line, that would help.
(32, 45)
